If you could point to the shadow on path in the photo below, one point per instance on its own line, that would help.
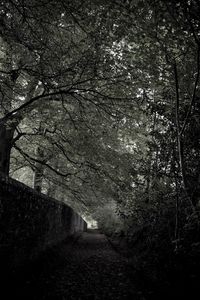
(88, 268)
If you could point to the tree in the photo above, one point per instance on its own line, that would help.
(53, 57)
(116, 94)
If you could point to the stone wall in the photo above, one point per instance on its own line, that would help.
(30, 222)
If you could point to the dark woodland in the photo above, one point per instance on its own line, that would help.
(99, 149)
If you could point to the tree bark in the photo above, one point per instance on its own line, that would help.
(6, 139)
(180, 146)
(39, 171)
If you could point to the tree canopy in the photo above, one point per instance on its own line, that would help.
(100, 101)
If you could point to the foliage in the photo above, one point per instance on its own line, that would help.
(104, 100)
(107, 219)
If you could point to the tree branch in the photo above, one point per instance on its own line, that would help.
(27, 156)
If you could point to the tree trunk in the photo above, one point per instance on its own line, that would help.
(53, 187)
(6, 139)
(39, 171)
(180, 146)
(52, 191)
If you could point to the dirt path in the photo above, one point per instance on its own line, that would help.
(88, 269)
